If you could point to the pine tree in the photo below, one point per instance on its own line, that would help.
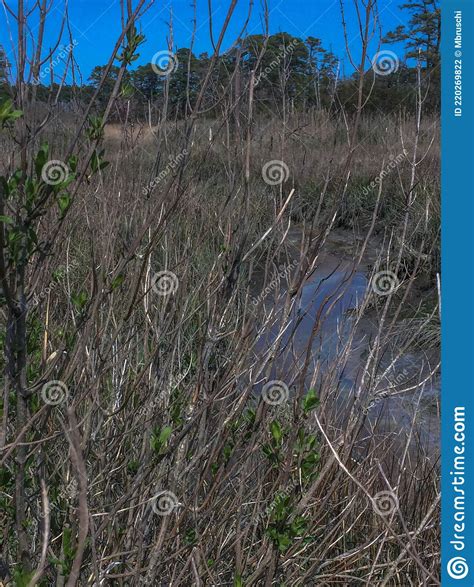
(422, 35)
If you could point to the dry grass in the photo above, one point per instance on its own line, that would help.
(163, 389)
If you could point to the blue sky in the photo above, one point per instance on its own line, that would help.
(95, 25)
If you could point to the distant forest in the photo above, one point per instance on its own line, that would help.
(289, 72)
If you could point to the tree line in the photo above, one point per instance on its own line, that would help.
(290, 73)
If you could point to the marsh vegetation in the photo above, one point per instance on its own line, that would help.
(220, 319)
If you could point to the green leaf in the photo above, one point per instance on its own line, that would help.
(72, 163)
(276, 431)
(64, 201)
(68, 549)
(7, 113)
(159, 438)
(190, 537)
(7, 220)
(97, 161)
(117, 281)
(79, 300)
(132, 467)
(41, 159)
(310, 401)
(95, 131)
(299, 525)
(165, 434)
(22, 578)
(227, 451)
(309, 465)
(31, 191)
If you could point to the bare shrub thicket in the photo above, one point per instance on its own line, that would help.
(160, 427)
